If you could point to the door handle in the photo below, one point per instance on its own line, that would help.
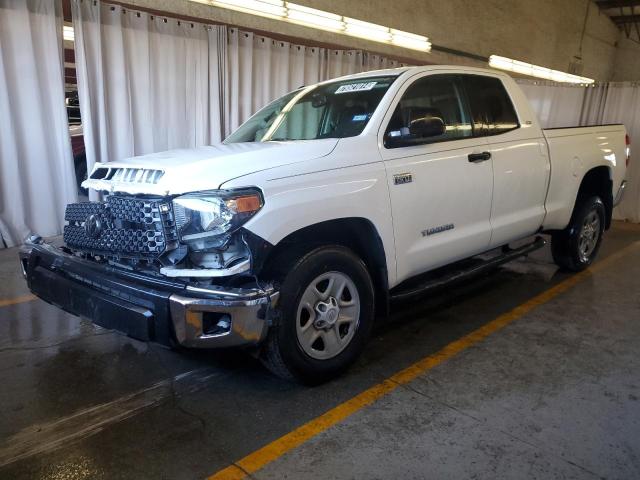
(479, 157)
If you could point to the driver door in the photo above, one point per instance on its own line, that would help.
(440, 181)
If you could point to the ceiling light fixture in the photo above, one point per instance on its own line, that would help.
(264, 8)
(369, 31)
(410, 40)
(516, 66)
(67, 33)
(314, 18)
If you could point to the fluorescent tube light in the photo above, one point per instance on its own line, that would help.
(516, 66)
(370, 31)
(410, 40)
(321, 20)
(410, 36)
(67, 33)
(314, 18)
(264, 8)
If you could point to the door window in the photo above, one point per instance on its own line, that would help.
(431, 110)
(491, 107)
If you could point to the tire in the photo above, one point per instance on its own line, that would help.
(575, 247)
(327, 313)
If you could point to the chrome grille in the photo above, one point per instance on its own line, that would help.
(122, 226)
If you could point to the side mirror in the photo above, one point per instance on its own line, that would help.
(427, 127)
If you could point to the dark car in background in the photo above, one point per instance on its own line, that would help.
(77, 139)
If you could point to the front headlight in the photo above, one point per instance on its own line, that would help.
(207, 219)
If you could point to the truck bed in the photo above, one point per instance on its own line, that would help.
(573, 151)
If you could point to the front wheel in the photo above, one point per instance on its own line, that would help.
(575, 247)
(326, 312)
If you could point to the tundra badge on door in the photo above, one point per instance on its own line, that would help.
(434, 230)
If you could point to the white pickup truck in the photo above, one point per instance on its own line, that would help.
(323, 207)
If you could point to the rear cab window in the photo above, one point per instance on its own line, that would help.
(491, 107)
(468, 105)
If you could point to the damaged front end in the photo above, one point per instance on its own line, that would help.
(170, 269)
(196, 237)
(208, 224)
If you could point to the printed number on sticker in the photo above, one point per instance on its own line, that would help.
(356, 87)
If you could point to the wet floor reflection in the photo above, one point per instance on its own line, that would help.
(53, 364)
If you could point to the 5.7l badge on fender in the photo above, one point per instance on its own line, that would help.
(401, 178)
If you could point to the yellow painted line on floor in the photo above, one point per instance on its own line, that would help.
(16, 300)
(267, 454)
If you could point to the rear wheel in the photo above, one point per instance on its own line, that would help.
(575, 247)
(326, 311)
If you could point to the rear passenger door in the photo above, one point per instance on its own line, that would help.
(441, 184)
(520, 160)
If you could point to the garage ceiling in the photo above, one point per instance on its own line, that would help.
(625, 14)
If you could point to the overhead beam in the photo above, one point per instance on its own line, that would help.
(605, 4)
(626, 19)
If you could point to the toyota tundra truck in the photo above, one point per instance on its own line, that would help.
(299, 229)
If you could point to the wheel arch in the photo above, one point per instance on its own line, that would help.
(356, 233)
(598, 181)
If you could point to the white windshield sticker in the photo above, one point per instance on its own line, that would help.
(356, 87)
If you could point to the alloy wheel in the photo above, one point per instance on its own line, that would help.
(328, 315)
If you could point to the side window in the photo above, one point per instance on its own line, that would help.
(491, 107)
(431, 110)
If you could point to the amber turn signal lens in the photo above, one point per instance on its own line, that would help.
(247, 204)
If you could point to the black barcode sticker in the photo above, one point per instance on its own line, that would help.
(356, 87)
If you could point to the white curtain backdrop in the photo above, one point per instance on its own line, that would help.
(36, 165)
(149, 83)
(145, 83)
(378, 62)
(622, 105)
(259, 69)
(343, 62)
(558, 105)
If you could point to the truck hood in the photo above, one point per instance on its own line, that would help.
(205, 168)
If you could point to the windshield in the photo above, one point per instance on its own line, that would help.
(331, 110)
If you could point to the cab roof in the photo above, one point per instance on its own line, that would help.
(418, 69)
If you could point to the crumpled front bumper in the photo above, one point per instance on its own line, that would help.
(146, 307)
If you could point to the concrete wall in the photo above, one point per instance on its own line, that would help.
(627, 62)
(544, 32)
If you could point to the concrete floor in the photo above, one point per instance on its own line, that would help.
(553, 395)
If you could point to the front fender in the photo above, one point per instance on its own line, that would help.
(293, 203)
